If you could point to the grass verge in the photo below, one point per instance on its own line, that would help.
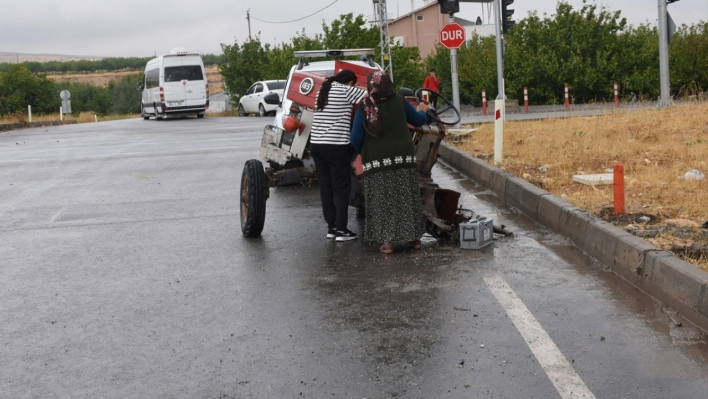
(84, 117)
(656, 147)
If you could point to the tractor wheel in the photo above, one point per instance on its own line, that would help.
(253, 198)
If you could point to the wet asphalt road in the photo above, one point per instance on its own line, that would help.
(124, 274)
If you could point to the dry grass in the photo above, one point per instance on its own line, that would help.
(214, 79)
(84, 117)
(655, 147)
(94, 78)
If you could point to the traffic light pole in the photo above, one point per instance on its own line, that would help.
(499, 104)
(455, 77)
(500, 50)
(665, 99)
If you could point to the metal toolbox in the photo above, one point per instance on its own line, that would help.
(476, 233)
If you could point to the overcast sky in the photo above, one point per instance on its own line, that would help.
(139, 28)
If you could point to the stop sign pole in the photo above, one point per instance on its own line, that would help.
(453, 43)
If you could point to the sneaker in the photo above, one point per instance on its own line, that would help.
(345, 235)
(331, 233)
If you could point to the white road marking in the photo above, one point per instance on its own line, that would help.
(120, 154)
(58, 215)
(567, 382)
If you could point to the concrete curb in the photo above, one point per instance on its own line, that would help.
(6, 127)
(672, 281)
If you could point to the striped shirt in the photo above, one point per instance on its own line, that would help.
(332, 125)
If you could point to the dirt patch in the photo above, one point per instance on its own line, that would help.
(214, 78)
(656, 147)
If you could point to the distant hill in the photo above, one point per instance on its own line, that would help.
(9, 57)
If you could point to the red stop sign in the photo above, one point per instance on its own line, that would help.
(452, 35)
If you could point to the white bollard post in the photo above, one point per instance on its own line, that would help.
(61, 114)
(29, 112)
(95, 117)
(499, 110)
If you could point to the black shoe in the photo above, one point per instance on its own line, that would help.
(331, 233)
(346, 235)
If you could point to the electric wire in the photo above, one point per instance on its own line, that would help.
(295, 20)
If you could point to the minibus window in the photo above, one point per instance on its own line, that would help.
(152, 78)
(184, 72)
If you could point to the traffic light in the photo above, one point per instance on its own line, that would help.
(449, 6)
(507, 23)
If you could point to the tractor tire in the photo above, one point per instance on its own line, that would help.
(253, 198)
(241, 111)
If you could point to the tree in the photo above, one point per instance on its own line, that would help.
(20, 88)
(125, 99)
(243, 65)
(576, 47)
(349, 32)
(689, 59)
(408, 70)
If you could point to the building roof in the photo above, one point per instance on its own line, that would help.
(461, 21)
(464, 22)
(413, 12)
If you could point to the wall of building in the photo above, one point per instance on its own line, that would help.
(409, 31)
(421, 33)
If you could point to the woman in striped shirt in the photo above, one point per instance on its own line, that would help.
(331, 150)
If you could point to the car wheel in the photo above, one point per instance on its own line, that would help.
(253, 198)
(200, 115)
(261, 110)
(241, 111)
(144, 115)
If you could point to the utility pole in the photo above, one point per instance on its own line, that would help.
(501, 95)
(665, 99)
(248, 17)
(381, 12)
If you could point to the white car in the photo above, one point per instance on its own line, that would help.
(252, 101)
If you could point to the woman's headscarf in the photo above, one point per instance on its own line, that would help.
(380, 89)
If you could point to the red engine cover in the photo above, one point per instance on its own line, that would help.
(304, 85)
(361, 72)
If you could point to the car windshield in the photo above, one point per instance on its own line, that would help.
(184, 72)
(276, 85)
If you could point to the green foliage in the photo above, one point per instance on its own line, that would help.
(243, 64)
(408, 70)
(689, 58)
(251, 61)
(86, 97)
(349, 32)
(125, 99)
(576, 47)
(20, 88)
(588, 48)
